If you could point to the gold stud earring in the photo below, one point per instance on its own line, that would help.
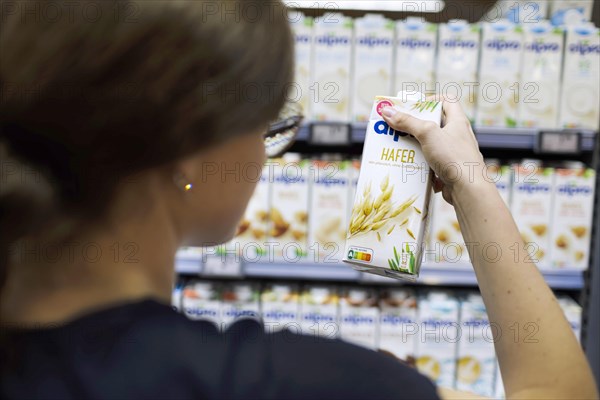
(183, 183)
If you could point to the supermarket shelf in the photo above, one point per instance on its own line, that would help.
(499, 138)
(431, 274)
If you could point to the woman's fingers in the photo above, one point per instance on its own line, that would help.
(407, 123)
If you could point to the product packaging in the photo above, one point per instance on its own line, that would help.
(416, 41)
(319, 314)
(359, 317)
(538, 95)
(398, 328)
(239, 300)
(446, 238)
(200, 301)
(499, 71)
(330, 88)
(570, 12)
(572, 216)
(391, 208)
(302, 27)
(581, 78)
(373, 61)
(457, 63)
(280, 308)
(572, 312)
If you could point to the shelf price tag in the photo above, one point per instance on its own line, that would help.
(222, 266)
(330, 134)
(559, 142)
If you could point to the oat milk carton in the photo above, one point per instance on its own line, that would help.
(354, 172)
(439, 334)
(572, 216)
(570, 12)
(302, 26)
(572, 312)
(330, 88)
(476, 355)
(398, 328)
(252, 230)
(280, 308)
(518, 11)
(457, 63)
(501, 56)
(359, 317)
(373, 60)
(391, 208)
(289, 208)
(538, 95)
(501, 175)
(239, 300)
(531, 208)
(447, 242)
(200, 301)
(581, 78)
(416, 41)
(319, 314)
(329, 209)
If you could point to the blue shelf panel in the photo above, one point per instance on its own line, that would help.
(431, 274)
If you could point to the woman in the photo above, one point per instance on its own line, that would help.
(109, 125)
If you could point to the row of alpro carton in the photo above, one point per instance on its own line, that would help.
(553, 208)
(449, 338)
(504, 74)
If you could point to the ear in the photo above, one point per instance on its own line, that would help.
(188, 169)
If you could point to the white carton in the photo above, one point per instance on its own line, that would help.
(439, 334)
(239, 300)
(447, 243)
(354, 172)
(457, 63)
(476, 354)
(398, 329)
(572, 312)
(319, 314)
(200, 301)
(176, 297)
(572, 216)
(329, 210)
(518, 11)
(280, 308)
(391, 208)
(252, 230)
(581, 78)
(499, 71)
(501, 175)
(373, 62)
(330, 88)
(531, 208)
(570, 12)
(499, 385)
(359, 317)
(542, 62)
(289, 208)
(416, 41)
(302, 27)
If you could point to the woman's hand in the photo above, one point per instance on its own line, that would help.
(451, 151)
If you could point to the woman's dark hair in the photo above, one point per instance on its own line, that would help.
(94, 91)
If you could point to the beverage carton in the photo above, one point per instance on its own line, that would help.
(476, 354)
(239, 300)
(359, 317)
(501, 56)
(538, 95)
(398, 329)
(518, 11)
(457, 63)
(581, 78)
(200, 301)
(499, 385)
(373, 60)
(252, 231)
(446, 238)
(501, 175)
(570, 12)
(572, 312)
(439, 334)
(280, 308)
(176, 297)
(329, 205)
(391, 208)
(354, 171)
(330, 88)
(531, 208)
(416, 41)
(572, 216)
(319, 313)
(302, 26)
(289, 208)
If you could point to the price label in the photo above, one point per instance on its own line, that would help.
(330, 134)
(223, 266)
(559, 142)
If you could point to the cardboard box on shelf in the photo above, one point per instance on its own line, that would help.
(319, 313)
(302, 27)
(239, 300)
(201, 301)
(359, 316)
(280, 307)
(398, 328)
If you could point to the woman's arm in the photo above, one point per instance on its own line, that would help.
(538, 354)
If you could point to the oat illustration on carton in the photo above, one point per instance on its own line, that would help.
(391, 207)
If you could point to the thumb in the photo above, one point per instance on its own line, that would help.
(407, 123)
